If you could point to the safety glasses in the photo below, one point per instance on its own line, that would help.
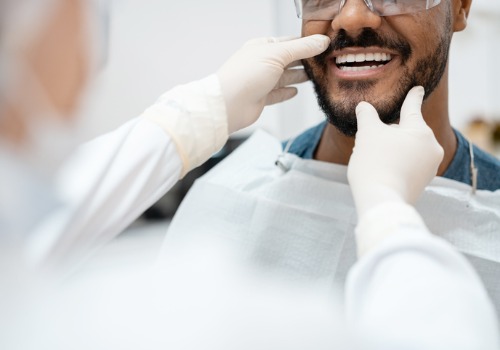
(324, 10)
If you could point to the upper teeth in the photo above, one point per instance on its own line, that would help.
(362, 57)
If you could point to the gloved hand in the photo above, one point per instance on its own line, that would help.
(392, 162)
(199, 116)
(260, 73)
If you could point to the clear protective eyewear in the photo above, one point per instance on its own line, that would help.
(325, 10)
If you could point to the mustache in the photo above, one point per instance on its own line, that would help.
(367, 38)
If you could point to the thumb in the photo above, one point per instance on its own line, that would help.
(367, 116)
(411, 112)
(298, 49)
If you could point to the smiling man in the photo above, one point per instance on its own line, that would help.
(379, 51)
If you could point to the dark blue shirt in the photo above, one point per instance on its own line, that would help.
(488, 166)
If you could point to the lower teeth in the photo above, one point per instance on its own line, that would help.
(358, 69)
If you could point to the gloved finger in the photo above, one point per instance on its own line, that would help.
(285, 38)
(367, 116)
(291, 77)
(294, 64)
(281, 95)
(411, 112)
(306, 47)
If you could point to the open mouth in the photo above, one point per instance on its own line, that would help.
(362, 61)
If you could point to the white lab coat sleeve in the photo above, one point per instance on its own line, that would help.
(107, 183)
(414, 290)
(111, 180)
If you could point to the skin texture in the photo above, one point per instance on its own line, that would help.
(57, 59)
(419, 44)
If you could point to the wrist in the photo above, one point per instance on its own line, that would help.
(194, 116)
(383, 221)
(374, 196)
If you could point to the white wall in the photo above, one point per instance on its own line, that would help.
(157, 44)
(474, 68)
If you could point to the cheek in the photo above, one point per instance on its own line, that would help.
(316, 27)
(423, 31)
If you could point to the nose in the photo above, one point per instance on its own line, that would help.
(354, 16)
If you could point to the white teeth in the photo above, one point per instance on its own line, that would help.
(356, 69)
(361, 57)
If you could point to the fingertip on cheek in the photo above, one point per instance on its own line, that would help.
(361, 107)
(418, 90)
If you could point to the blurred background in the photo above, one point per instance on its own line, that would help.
(157, 44)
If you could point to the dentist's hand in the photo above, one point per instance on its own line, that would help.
(260, 73)
(199, 116)
(396, 162)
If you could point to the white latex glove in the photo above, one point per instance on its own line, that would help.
(260, 73)
(199, 116)
(392, 163)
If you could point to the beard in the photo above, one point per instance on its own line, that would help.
(427, 72)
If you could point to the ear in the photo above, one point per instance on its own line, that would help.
(460, 10)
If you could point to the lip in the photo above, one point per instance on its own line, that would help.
(366, 74)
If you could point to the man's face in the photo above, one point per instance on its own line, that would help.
(392, 55)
